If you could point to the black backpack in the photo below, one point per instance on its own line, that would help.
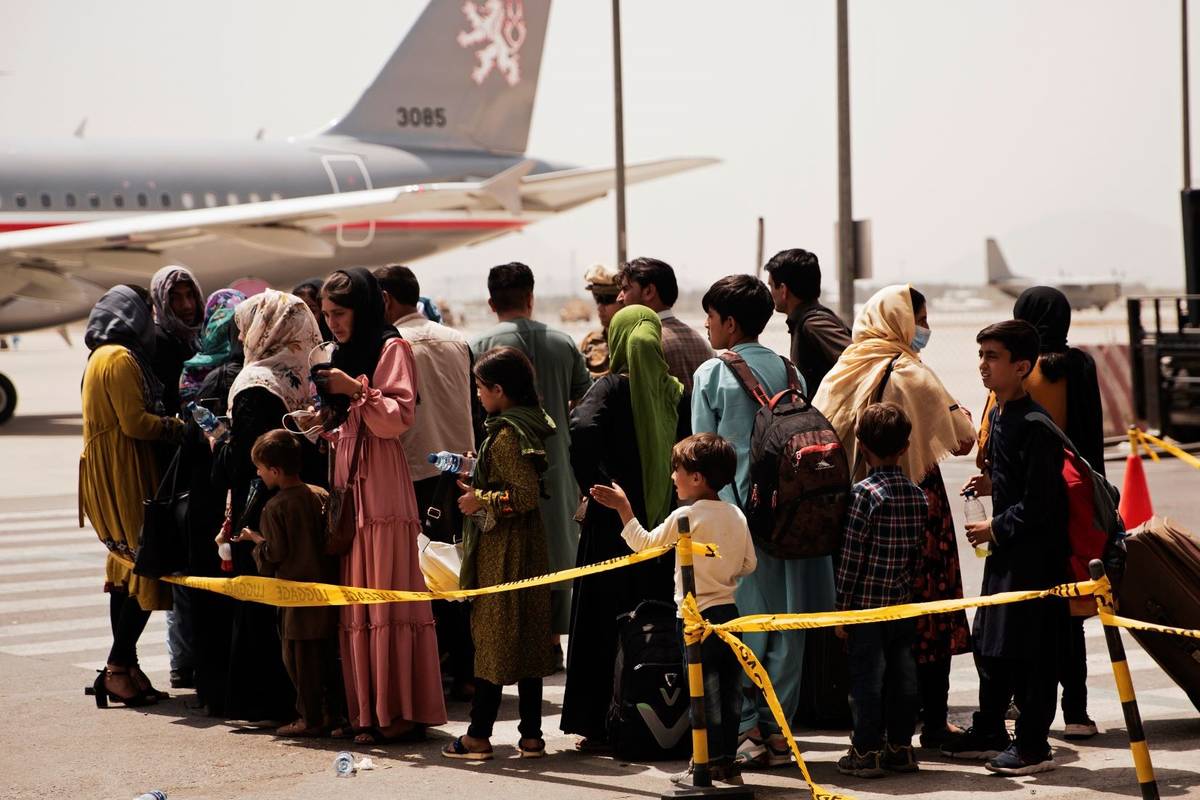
(648, 717)
(799, 474)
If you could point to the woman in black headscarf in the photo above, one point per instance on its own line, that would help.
(1064, 382)
(123, 418)
(389, 651)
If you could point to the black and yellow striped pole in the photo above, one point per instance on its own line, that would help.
(701, 776)
(1133, 717)
(695, 668)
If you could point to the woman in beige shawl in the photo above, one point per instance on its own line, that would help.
(883, 363)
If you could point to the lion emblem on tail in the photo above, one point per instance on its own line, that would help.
(499, 25)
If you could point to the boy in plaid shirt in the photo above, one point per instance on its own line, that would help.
(884, 530)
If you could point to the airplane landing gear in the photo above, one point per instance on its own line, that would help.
(8, 399)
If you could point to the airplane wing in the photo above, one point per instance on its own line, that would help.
(133, 243)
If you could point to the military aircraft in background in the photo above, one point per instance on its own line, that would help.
(1081, 293)
(430, 158)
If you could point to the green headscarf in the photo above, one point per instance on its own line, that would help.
(635, 348)
(533, 426)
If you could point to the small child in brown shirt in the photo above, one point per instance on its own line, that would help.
(291, 546)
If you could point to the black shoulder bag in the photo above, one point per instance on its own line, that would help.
(162, 547)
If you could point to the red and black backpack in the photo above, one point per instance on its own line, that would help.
(799, 474)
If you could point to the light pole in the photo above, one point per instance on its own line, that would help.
(619, 118)
(846, 254)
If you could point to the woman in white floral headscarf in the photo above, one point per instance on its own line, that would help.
(277, 332)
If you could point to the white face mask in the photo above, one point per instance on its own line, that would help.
(921, 338)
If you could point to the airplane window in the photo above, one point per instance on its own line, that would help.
(93, 200)
(210, 199)
(70, 199)
(254, 198)
(231, 199)
(45, 200)
(19, 199)
(187, 200)
(166, 200)
(118, 200)
(142, 200)
(276, 196)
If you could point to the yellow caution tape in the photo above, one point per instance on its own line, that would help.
(1139, 625)
(1146, 440)
(693, 625)
(292, 594)
(826, 619)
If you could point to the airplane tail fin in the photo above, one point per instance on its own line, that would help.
(464, 78)
(997, 267)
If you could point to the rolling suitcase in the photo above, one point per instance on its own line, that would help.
(1162, 585)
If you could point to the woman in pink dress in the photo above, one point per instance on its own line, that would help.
(389, 651)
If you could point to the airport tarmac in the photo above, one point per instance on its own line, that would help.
(53, 621)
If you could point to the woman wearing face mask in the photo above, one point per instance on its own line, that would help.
(389, 651)
(883, 363)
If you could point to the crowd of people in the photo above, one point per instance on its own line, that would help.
(582, 453)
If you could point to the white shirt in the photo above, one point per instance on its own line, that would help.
(443, 419)
(712, 522)
(666, 313)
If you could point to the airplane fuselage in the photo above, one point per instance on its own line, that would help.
(1081, 295)
(46, 183)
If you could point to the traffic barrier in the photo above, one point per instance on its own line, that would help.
(1113, 373)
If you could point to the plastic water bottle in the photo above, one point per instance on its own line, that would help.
(152, 795)
(225, 551)
(343, 765)
(209, 422)
(974, 512)
(458, 463)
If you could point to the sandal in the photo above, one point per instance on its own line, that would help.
(456, 749)
(532, 752)
(589, 744)
(143, 682)
(343, 731)
(298, 730)
(375, 736)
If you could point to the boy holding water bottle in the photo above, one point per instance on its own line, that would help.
(1016, 645)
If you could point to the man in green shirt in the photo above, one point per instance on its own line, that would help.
(562, 379)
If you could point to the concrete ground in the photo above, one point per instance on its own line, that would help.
(53, 634)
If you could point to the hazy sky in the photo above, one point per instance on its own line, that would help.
(1051, 124)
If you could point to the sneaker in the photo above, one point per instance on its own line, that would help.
(1011, 762)
(899, 759)
(1080, 730)
(862, 765)
(934, 738)
(763, 753)
(973, 745)
(725, 775)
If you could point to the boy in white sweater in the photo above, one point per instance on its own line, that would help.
(702, 465)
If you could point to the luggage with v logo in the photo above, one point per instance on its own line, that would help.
(648, 717)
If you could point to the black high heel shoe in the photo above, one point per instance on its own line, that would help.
(99, 690)
(143, 683)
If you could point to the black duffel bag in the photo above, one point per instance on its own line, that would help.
(163, 545)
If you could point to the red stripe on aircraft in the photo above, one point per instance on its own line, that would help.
(383, 224)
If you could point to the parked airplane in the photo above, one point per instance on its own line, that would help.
(443, 127)
(1081, 292)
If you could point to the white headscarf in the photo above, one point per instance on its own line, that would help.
(883, 331)
(278, 331)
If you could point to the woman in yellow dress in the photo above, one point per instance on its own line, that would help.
(122, 419)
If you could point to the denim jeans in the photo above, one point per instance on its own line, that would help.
(882, 665)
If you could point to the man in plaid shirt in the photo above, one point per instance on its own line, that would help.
(882, 543)
(651, 283)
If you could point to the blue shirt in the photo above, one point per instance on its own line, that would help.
(720, 405)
